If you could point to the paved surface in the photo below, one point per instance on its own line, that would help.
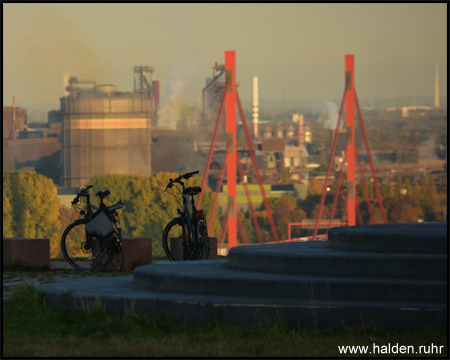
(296, 282)
(60, 270)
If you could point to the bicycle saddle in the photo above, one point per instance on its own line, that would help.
(192, 190)
(103, 193)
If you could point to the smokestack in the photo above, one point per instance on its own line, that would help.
(301, 132)
(255, 105)
(436, 85)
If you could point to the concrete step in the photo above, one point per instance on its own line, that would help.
(410, 238)
(299, 283)
(119, 294)
(315, 258)
(215, 277)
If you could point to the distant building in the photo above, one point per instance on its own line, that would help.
(27, 148)
(104, 131)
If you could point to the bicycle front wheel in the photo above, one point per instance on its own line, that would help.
(177, 242)
(116, 251)
(81, 251)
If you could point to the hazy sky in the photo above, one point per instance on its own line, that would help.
(298, 49)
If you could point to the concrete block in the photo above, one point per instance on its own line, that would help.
(27, 253)
(177, 249)
(138, 251)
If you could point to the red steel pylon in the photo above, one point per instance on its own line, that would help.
(230, 100)
(350, 100)
(350, 125)
(230, 128)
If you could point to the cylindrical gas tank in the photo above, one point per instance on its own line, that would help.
(106, 89)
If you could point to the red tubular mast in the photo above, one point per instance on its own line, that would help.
(350, 125)
(230, 128)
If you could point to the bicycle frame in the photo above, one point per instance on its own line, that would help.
(91, 209)
(88, 215)
(104, 242)
(191, 221)
(188, 216)
(186, 201)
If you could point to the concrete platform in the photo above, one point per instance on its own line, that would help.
(300, 283)
(318, 259)
(422, 238)
(120, 294)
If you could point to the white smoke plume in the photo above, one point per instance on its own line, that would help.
(170, 112)
(332, 112)
(427, 150)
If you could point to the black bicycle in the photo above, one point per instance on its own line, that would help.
(189, 226)
(95, 241)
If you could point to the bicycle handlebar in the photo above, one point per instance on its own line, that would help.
(178, 179)
(188, 175)
(83, 192)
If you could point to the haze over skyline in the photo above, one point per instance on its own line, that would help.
(296, 50)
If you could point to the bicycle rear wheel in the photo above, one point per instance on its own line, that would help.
(81, 251)
(177, 230)
(116, 251)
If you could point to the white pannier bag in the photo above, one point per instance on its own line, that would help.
(100, 225)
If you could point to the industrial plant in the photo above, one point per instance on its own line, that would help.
(100, 129)
(106, 131)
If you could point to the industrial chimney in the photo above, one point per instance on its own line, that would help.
(436, 85)
(255, 105)
(301, 140)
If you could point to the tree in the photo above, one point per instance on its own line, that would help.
(8, 230)
(398, 187)
(408, 187)
(282, 215)
(30, 206)
(66, 217)
(428, 200)
(388, 191)
(404, 210)
(298, 216)
(315, 187)
(325, 213)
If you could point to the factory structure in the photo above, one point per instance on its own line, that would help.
(27, 148)
(106, 131)
(99, 129)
